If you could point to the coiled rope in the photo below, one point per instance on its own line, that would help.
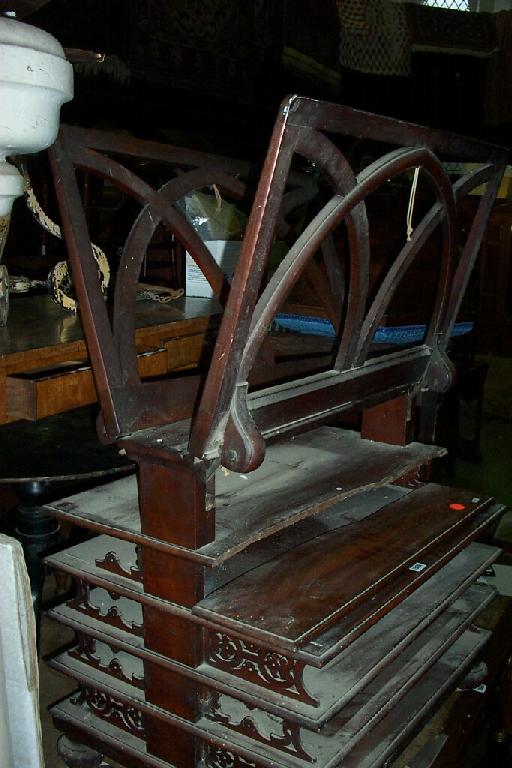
(59, 278)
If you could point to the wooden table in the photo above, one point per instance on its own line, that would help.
(43, 355)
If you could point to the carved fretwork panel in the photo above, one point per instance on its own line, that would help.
(216, 757)
(260, 726)
(109, 608)
(112, 563)
(102, 657)
(109, 708)
(258, 665)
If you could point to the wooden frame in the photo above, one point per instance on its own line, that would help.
(232, 423)
(313, 610)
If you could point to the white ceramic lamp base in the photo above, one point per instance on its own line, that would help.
(35, 80)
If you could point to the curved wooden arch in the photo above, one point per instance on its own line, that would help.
(160, 202)
(144, 226)
(112, 345)
(224, 414)
(230, 424)
(318, 149)
(134, 186)
(324, 222)
(444, 212)
(491, 176)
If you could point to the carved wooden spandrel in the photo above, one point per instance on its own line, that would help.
(107, 707)
(108, 607)
(103, 657)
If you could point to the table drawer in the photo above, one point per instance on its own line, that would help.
(189, 351)
(41, 393)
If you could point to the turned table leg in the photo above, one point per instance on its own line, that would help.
(37, 532)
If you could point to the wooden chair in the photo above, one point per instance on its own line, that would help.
(272, 589)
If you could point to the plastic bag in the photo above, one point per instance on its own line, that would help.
(212, 217)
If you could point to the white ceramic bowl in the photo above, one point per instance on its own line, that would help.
(35, 80)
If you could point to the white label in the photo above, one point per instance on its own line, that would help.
(480, 688)
(225, 253)
(418, 567)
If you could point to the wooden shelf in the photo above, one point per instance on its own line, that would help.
(393, 730)
(355, 623)
(299, 478)
(296, 597)
(445, 642)
(332, 623)
(333, 687)
(394, 727)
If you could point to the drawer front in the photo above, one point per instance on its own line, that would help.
(45, 392)
(189, 351)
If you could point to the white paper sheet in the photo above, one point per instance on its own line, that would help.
(20, 725)
(225, 253)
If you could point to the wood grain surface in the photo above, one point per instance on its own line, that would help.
(298, 595)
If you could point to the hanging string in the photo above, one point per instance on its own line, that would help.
(410, 207)
(218, 198)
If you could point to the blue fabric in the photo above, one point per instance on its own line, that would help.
(398, 334)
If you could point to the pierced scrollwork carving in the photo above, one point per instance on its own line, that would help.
(412, 479)
(107, 707)
(85, 651)
(112, 563)
(112, 615)
(260, 726)
(258, 665)
(216, 757)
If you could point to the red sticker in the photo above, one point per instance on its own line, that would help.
(458, 507)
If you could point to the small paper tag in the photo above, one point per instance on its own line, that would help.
(418, 567)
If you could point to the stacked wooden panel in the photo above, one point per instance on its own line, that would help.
(335, 607)
(269, 590)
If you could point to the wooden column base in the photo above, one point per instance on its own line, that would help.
(77, 755)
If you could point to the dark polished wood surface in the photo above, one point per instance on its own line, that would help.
(37, 327)
(64, 447)
(354, 623)
(293, 597)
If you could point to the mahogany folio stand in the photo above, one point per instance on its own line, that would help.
(273, 589)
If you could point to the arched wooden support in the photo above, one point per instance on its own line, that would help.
(240, 421)
(127, 403)
(232, 423)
